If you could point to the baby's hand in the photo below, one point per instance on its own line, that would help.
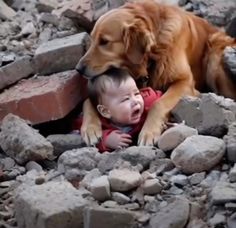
(116, 139)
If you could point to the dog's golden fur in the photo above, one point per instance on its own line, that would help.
(177, 50)
(216, 76)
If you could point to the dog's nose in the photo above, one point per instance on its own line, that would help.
(80, 67)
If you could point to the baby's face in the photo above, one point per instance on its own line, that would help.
(125, 103)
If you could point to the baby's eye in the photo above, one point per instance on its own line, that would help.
(125, 99)
(137, 93)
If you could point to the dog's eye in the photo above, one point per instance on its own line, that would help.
(103, 41)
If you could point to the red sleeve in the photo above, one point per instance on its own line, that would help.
(101, 145)
(150, 96)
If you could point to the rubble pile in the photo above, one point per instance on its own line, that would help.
(54, 180)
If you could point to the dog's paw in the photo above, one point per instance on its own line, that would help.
(91, 134)
(149, 137)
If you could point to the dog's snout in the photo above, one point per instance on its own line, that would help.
(80, 67)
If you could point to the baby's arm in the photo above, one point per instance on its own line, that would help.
(114, 139)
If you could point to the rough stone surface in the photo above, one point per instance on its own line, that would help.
(64, 142)
(60, 54)
(13, 72)
(173, 136)
(223, 192)
(77, 162)
(6, 12)
(210, 114)
(107, 218)
(198, 153)
(216, 11)
(43, 98)
(54, 204)
(124, 180)
(173, 215)
(230, 141)
(86, 12)
(100, 188)
(21, 142)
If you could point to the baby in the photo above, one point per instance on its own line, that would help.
(122, 107)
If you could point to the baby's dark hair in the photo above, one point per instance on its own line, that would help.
(98, 85)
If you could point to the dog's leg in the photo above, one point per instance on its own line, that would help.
(159, 112)
(91, 130)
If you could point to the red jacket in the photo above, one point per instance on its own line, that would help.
(149, 97)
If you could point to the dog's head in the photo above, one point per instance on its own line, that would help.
(120, 39)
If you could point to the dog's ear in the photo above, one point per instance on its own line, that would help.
(137, 40)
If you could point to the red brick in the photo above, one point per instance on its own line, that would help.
(44, 98)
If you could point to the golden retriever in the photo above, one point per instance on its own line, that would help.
(165, 44)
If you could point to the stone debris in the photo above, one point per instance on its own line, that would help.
(13, 72)
(68, 50)
(124, 180)
(62, 142)
(43, 98)
(175, 212)
(23, 143)
(100, 188)
(210, 114)
(107, 218)
(230, 141)
(198, 153)
(6, 12)
(173, 136)
(186, 181)
(54, 204)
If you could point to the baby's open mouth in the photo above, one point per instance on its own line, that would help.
(136, 113)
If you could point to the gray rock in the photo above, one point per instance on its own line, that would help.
(89, 177)
(100, 188)
(210, 115)
(223, 193)
(151, 187)
(217, 220)
(216, 11)
(197, 178)
(7, 163)
(33, 165)
(77, 162)
(197, 223)
(50, 205)
(46, 5)
(120, 198)
(232, 221)
(124, 180)
(64, 142)
(49, 18)
(232, 174)
(198, 153)
(108, 161)
(229, 58)
(28, 29)
(175, 214)
(23, 143)
(6, 12)
(211, 179)
(141, 155)
(13, 72)
(107, 218)
(160, 166)
(66, 51)
(230, 141)
(173, 136)
(179, 180)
